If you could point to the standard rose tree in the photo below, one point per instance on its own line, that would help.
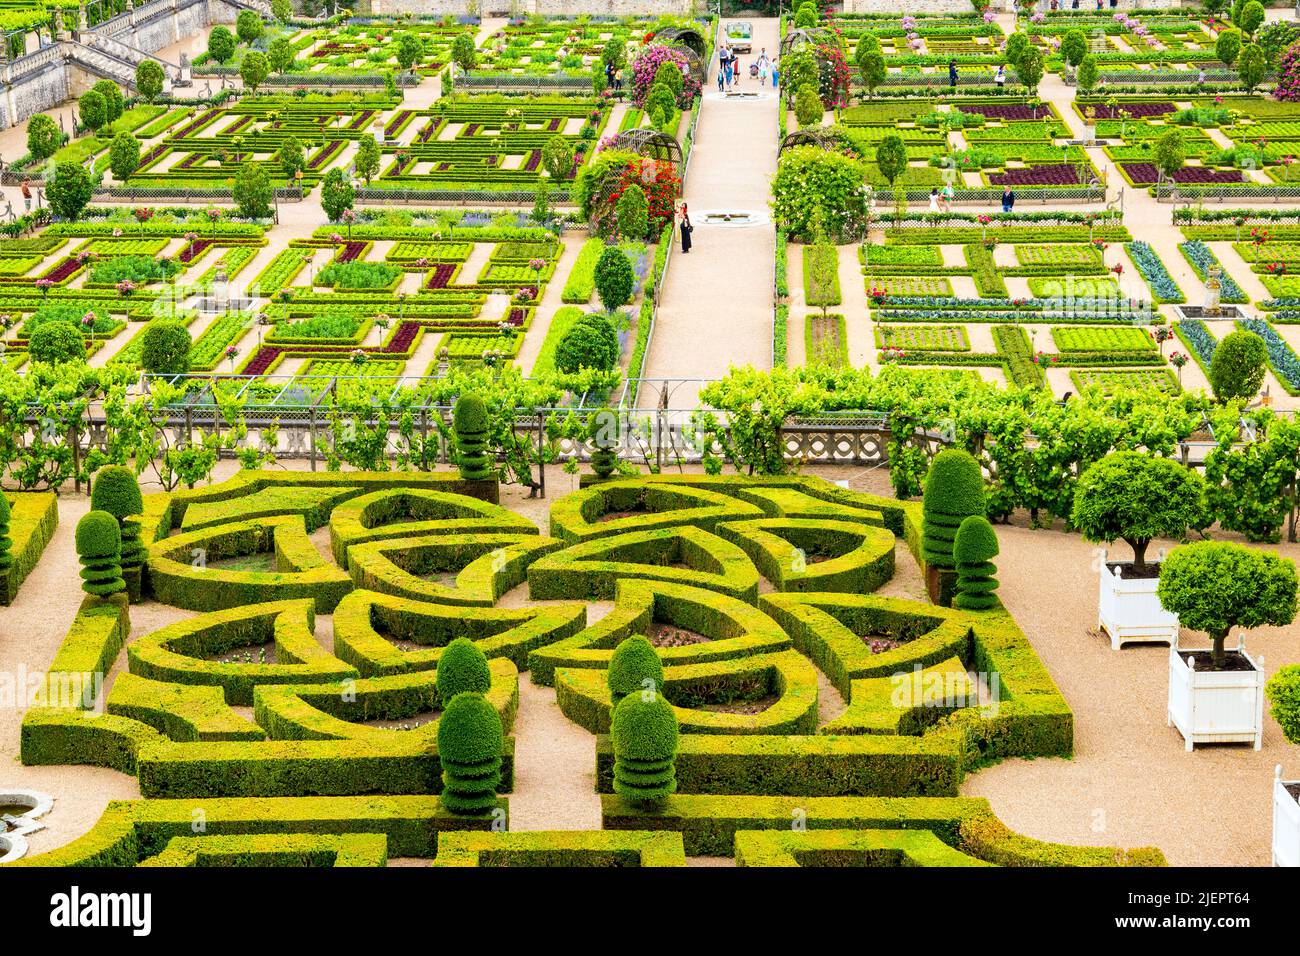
(1214, 586)
(1137, 497)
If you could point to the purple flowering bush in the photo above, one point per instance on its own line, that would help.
(643, 74)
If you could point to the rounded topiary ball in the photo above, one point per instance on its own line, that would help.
(644, 731)
(470, 738)
(116, 490)
(57, 342)
(976, 541)
(955, 484)
(591, 342)
(470, 416)
(98, 535)
(165, 348)
(463, 667)
(634, 663)
(99, 546)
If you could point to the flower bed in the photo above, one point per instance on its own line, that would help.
(1047, 175)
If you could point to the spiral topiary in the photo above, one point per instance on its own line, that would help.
(633, 663)
(644, 730)
(974, 548)
(469, 419)
(99, 546)
(954, 490)
(462, 668)
(116, 491)
(6, 542)
(469, 749)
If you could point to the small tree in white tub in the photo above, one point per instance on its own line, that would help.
(1136, 497)
(1215, 695)
(1283, 690)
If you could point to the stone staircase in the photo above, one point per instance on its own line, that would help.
(260, 6)
(109, 57)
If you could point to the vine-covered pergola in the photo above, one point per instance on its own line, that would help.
(692, 43)
(652, 144)
(809, 36)
(813, 136)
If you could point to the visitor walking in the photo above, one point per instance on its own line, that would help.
(764, 67)
(947, 196)
(776, 74)
(736, 68)
(934, 200)
(1000, 77)
(686, 229)
(952, 72)
(1008, 199)
(27, 194)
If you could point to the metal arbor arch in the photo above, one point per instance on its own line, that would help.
(814, 136)
(809, 36)
(688, 37)
(652, 144)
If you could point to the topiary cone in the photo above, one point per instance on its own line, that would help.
(469, 749)
(976, 544)
(469, 420)
(644, 731)
(633, 667)
(116, 491)
(954, 490)
(99, 546)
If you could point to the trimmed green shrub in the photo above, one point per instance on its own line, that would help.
(557, 157)
(462, 668)
(43, 137)
(644, 729)
(124, 154)
(974, 548)
(1237, 368)
(221, 44)
(6, 542)
(660, 99)
(248, 25)
(469, 748)
(632, 212)
(808, 108)
(954, 490)
(252, 191)
(1214, 586)
(149, 79)
(56, 343)
(165, 348)
(1283, 690)
(1137, 497)
(93, 110)
(99, 546)
(634, 667)
(614, 278)
(116, 491)
(590, 342)
(114, 101)
(70, 191)
(470, 423)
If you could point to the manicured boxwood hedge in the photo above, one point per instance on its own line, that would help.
(561, 848)
(132, 830)
(291, 849)
(709, 824)
(847, 848)
(32, 520)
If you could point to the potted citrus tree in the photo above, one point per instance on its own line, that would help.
(1216, 695)
(1283, 691)
(1138, 498)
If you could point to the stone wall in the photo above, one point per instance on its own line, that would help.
(33, 93)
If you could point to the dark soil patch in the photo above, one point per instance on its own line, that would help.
(1126, 569)
(667, 635)
(1294, 790)
(249, 654)
(618, 515)
(755, 706)
(1233, 661)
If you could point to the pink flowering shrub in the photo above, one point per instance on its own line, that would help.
(643, 74)
(1288, 74)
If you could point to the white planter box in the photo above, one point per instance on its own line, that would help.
(1128, 609)
(1286, 822)
(1216, 707)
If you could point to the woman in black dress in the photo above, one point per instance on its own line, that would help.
(686, 229)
